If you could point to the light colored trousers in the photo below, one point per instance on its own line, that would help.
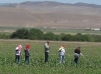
(62, 57)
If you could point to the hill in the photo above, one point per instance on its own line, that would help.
(50, 14)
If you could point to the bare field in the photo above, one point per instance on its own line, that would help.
(68, 17)
(54, 30)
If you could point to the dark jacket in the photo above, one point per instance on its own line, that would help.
(27, 53)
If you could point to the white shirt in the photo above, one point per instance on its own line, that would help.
(61, 51)
(47, 47)
(17, 51)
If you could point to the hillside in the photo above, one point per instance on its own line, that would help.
(50, 14)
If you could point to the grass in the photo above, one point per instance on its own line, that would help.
(90, 65)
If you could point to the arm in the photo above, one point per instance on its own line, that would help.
(59, 50)
(81, 54)
(28, 52)
(47, 46)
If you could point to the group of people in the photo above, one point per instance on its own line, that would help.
(18, 53)
(61, 50)
(77, 53)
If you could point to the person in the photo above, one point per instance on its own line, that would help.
(61, 54)
(46, 47)
(18, 53)
(77, 53)
(27, 53)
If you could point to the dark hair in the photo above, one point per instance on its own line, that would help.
(48, 42)
(79, 47)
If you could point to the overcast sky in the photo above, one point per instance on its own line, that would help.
(63, 1)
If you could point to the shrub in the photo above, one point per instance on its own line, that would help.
(49, 36)
(20, 33)
(35, 34)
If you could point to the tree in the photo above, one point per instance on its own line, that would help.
(80, 37)
(62, 35)
(57, 37)
(67, 37)
(35, 34)
(20, 33)
(49, 36)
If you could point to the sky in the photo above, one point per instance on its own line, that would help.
(98, 2)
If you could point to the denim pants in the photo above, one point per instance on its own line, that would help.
(46, 57)
(27, 59)
(17, 58)
(62, 57)
(76, 58)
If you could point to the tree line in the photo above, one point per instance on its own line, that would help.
(36, 34)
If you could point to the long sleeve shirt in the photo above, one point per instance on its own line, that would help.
(61, 51)
(27, 53)
(17, 51)
(47, 47)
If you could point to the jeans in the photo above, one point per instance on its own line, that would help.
(17, 58)
(46, 57)
(76, 58)
(27, 59)
(62, 57)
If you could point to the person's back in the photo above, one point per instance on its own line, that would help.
(77, 53)
(77, 50)
(27, 52)
(18, 53)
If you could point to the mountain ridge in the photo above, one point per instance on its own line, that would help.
(50, 3)
(50, 14)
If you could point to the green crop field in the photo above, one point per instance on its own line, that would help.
(91, 64)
